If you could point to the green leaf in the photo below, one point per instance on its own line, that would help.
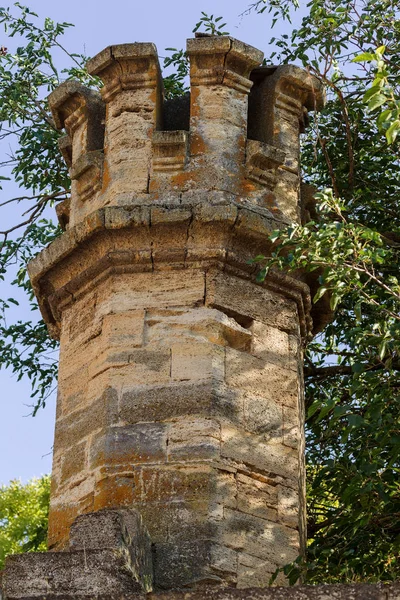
(375, 101)
(383, 117)
(320, 292)
(364, 57)
(355, 420)
(393, 131)
(375, 89)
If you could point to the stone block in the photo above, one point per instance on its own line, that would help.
(193, 440)
(153, 290)
(194, 563)
(77, 359)
(189, 521)
(67, 575)
(72, 391)
(79, 322)
(254, 451)
(129, 445)
(112, 555)
(177, 399)
(201, 324)
(270, 344)
(254, 572)
(119, 217)
(119, 530)
(177, 521)
(243, 299)
(64, 508)
(114, 490)
(292, 428)
(87, 226)
(260, 538)
(78, 425)
(256, 497)
(123, 329)
(165, 401)
(295, 353)
(73, 461)
(145, 366)
(254, 375)
(197, 361)
(288, 506)
(287, 193)
(262, 415)
(159, 483)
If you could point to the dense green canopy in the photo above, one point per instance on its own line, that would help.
(23, 517)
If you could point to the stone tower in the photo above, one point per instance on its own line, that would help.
(180, 405)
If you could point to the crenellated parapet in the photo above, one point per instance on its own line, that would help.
(240, 137)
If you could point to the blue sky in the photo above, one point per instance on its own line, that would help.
(25, 442)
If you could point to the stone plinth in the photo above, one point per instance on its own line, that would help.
(180, 382)
(109, 551)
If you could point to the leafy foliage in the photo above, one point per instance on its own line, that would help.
(175, 83)
(279, 9)
(23, 517)
(212, 25)
(352, 368)
(35, 164)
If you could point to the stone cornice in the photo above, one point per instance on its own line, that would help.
(154, 238)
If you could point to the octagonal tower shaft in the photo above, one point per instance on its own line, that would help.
(180, 381)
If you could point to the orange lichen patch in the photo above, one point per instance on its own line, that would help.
(61, 519)
(269, 200)
(114, 491)
(275, 209)
(155, 484)
(106, 176)
(154, 94)
(155, 187)
(247, 187)
(180, 180)
(197, 145)
(59, 526)
(194, 104)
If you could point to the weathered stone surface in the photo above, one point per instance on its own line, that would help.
(121, 530)
(194, 439)
(110, 553)
(247, 302)
(128, 445)
(70, 574)
(178, 565)
(260, 538)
